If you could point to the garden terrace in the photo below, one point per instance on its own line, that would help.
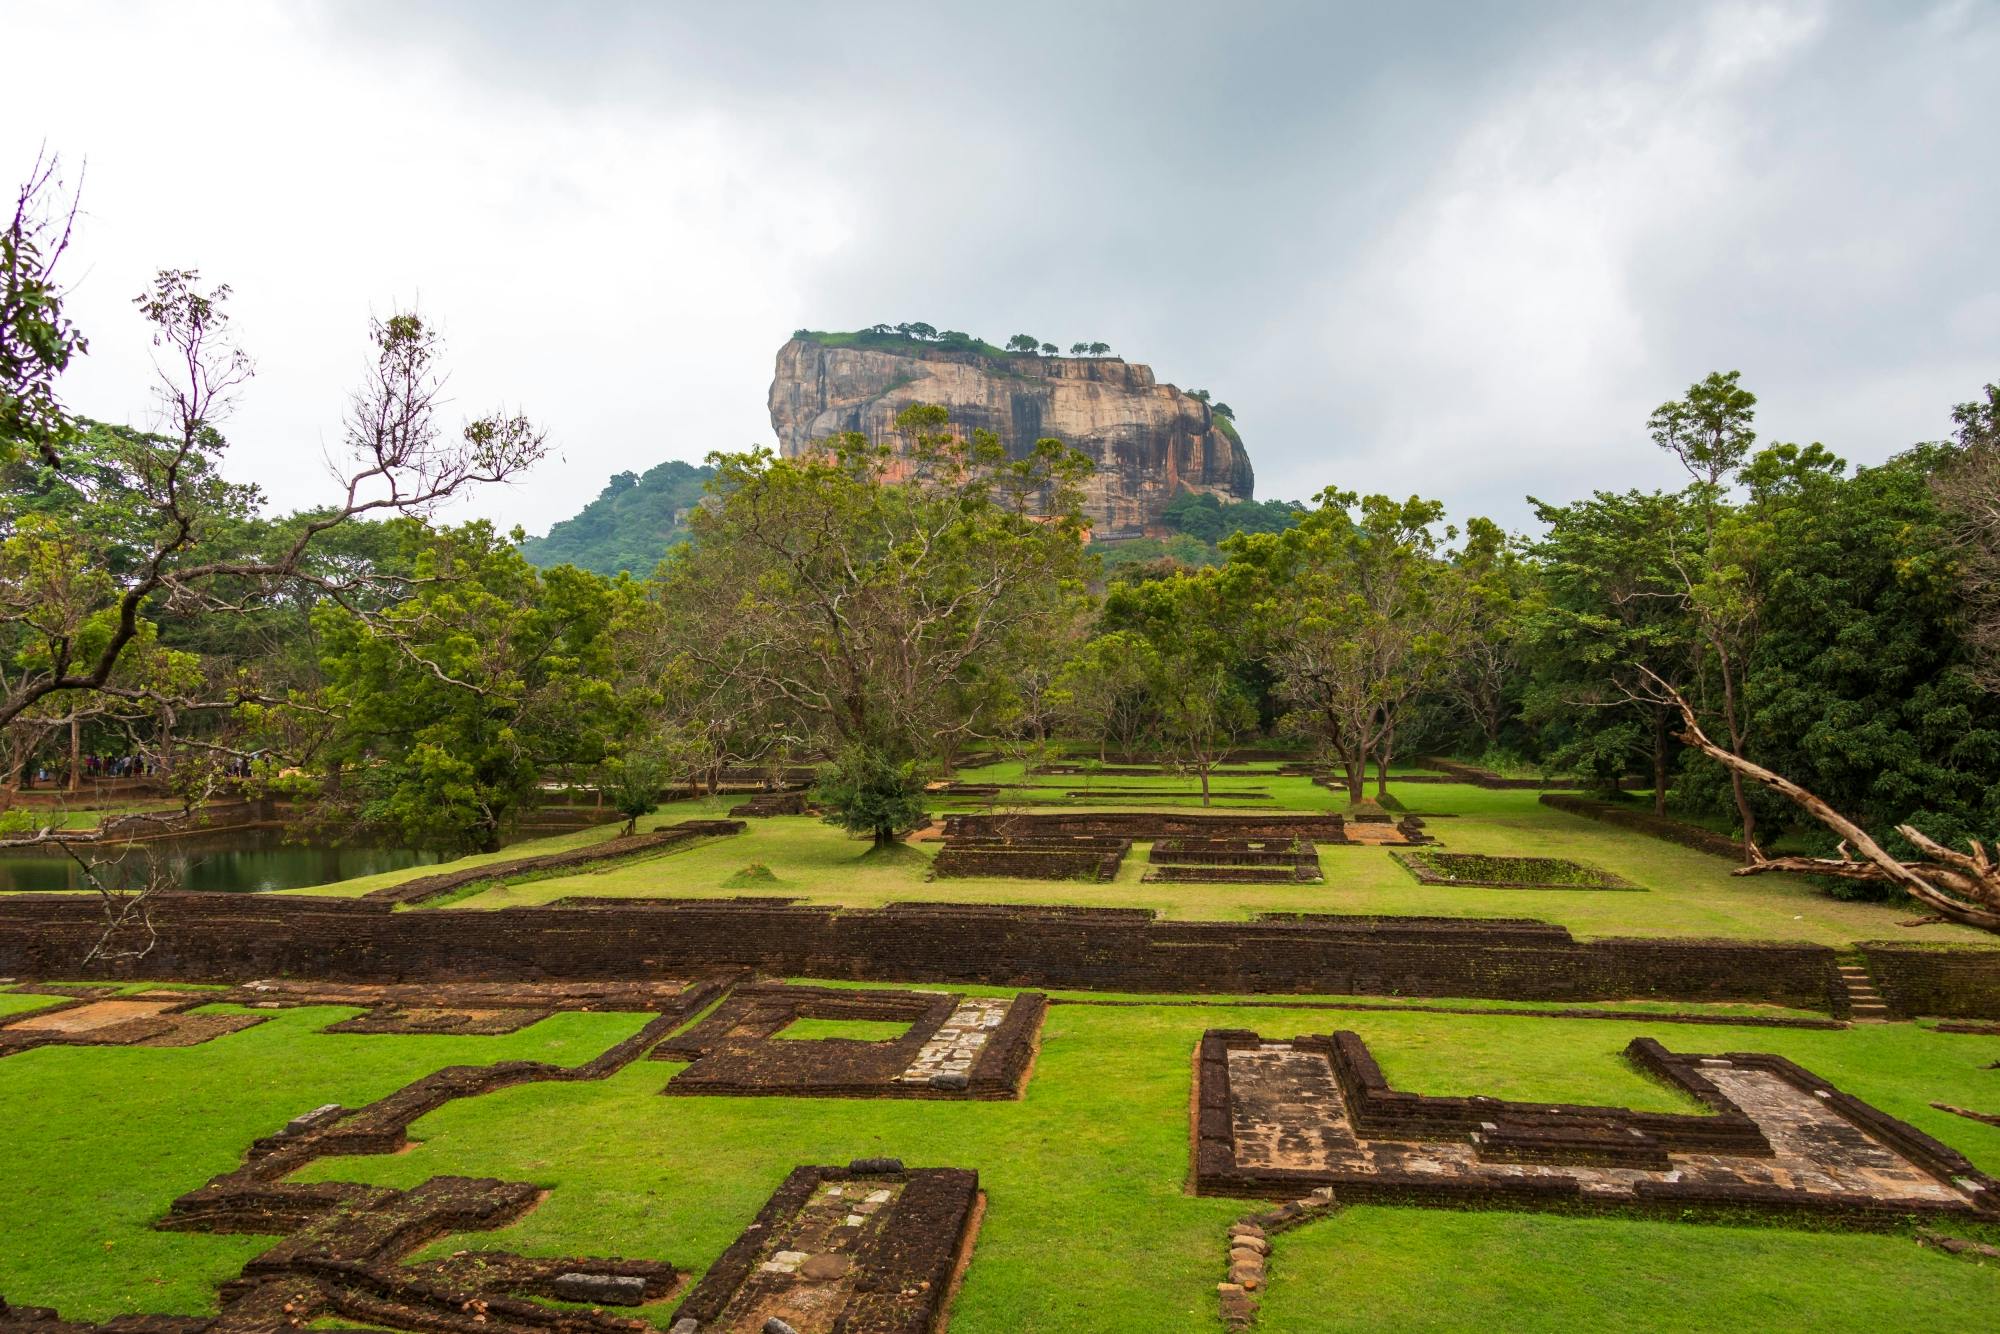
(873, 1247)
(951, 1045)
(143, 1019)
(1147, 826)
(224, 936)
(1080, 857)
(464, 1007)
(427, 888)
(1233, 861)
(1085, 1178)
(1476, 870)
(1282, 1117)
(769, 804)
(1646, 822)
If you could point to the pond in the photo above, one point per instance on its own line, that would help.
(238, 861)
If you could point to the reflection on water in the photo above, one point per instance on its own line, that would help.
(236, 861)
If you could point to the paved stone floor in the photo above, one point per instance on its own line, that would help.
(956, 1045)
(1287, 1114)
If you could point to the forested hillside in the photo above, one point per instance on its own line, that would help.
(630, 525)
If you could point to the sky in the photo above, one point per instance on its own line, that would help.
(1456, 250)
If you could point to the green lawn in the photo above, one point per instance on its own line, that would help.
(1690, 893)
(1088, 1226)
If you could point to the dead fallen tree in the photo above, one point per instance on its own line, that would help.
(1960, 886)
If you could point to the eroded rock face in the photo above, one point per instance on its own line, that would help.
(1149, 440)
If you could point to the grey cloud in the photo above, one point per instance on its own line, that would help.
(1459, 250)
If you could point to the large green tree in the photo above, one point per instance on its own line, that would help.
(881, 598)
(455, 701)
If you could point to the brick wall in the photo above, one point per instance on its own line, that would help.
(1947, 981)
(231, 937)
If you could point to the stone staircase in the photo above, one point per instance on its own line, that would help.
(1864, 1003)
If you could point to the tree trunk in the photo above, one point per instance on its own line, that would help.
(885, 836)
(1659, 761)
(1204, 784)
(1381, 776)
(75, 756)
(1356, 770)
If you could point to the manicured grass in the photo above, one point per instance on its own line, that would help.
(1691, 893)
(854, 1030)
(100, 1140)
(1088, 1227)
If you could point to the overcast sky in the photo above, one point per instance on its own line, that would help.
(1459, 250)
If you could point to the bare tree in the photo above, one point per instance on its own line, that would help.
(37, 340)
(399, 463)
(1961, 886)
(1968, 487)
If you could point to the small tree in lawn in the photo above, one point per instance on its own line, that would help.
(634, 780)
(867, 792)
(1202, 713)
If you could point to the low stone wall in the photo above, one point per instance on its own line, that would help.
(230, 937)
(1457, 771)
(1146, 826)
(1645, 822)
(1947, 981)
(424, 888)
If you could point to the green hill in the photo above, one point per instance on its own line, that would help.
(630, 525)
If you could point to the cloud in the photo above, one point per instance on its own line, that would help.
(1444, 249)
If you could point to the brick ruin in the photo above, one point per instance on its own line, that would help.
(1029, 857)
(224, 937)
(428, 888)
(1146, 826)
(1279, 1118)
(955, 1046)
(1477, 871)
(481, 1008)
(99, 1017)
(872, 1248)
(1255, 861)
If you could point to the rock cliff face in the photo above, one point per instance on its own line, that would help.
(1149, 440)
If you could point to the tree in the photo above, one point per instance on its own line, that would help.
(867, 792)
(1613, 606)
(1105, 690)
(454, 701)
(879, 597)
(1050, 349)
(1023, 343)
(1223, 410)
(1709, 428)
(1968, 487)
(1348, 613)
(1961, 886)
(1198, 395)
(1193, 663)
(37, 339)
(1099, 349)
(400, 466)
(634, 781)
(1079, 349)
(1492, 591)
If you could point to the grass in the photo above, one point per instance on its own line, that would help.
(854, 1030)
(101, 1139)
(1529, 872)
(1692, 893)
(1088, 1227)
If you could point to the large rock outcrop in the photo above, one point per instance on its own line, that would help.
(1149, 440)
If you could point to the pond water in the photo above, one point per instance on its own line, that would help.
(239, 860)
